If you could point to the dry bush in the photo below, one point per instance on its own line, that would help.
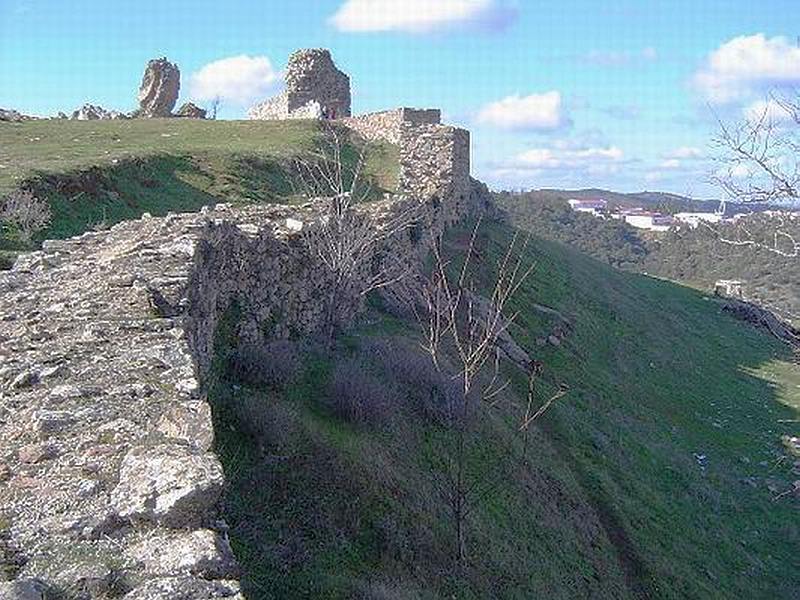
(272, 365)
(426, 389)
(357, 395)
(26, 213)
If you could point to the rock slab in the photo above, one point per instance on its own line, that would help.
(158, 92)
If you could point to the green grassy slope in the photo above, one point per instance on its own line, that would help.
(97, 173)
(654, 478)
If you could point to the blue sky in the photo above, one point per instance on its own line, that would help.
(571, 93)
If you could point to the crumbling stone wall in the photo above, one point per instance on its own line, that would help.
(435, 163)
(387, 125)
(314, 87)
(107, 482)
(108, 485)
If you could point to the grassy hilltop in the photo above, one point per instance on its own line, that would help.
(654, 478)
(97, 173)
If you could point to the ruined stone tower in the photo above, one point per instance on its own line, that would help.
(314, 87)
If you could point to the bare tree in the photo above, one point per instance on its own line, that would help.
(214, 108)
(759, 163)
(25, 212)
(350, 240)
(776, 236)
(461, 334)
(759, 155)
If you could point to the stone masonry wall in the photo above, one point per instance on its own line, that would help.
(108, 486)
(435, 163)
(387, 125)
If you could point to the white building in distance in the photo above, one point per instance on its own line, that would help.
(694, 219)
(644, 219)
(596, 208)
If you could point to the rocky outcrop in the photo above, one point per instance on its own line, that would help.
(92, 112)
(22, 589)
(314, 88)
(159, 89)
(763, 319)
(13, 116)
(190, 110)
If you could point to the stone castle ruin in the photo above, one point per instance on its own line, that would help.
(315, 88)
(108, 485)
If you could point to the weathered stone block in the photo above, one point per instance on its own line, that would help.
(173, 484)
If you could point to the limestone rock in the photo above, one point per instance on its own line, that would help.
(185, 588)
(172, 484)
(22, 589)
(203, 553)
(189, 110)
(92, 112)
(189, 422)
(35, 453)
(159, 89)
(12, 116)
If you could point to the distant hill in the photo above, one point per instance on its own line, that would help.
(693, 257)
(663, 201)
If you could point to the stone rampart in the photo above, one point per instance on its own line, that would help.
(108, 482)
(387, 125)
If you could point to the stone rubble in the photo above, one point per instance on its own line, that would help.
(190, 110)
(92, 112)
(13, 116)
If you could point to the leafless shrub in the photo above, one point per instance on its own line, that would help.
(424, 387)
(273, 364)
(461, 331)
(348, 239)
(758, 155)
(26, 213)
(357, 395)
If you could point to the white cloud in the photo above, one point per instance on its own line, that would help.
(747, 64)
(537, 112)
(237, 79)
(684, 152)
(421, 16)
(769, 110)
(562, 165)
(563, 158)
(671, 163)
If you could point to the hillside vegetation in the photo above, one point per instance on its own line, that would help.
(695, 257)
(97, 173)
(662, 474)
(653, 478)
